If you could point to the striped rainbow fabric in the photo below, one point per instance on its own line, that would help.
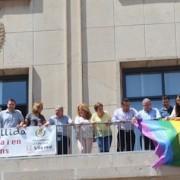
(166, 135)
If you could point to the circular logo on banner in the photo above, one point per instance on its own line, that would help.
(40, 132)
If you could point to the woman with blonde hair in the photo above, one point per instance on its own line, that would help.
(84, 128)
(35, 118)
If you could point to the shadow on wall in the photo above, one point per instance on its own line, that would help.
(84, 53)
(20, 7)
(36, 86)
(2, 35)
(69, 73)
(134, 2)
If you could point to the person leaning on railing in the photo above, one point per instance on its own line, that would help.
(35, 118)
(123, 116)
(63, 130)
(167, 109)
(11, 117)
(101, 122)
(175, 115)
(84, 129)
(148, 113)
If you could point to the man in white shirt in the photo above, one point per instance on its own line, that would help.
(123, 116)
(148, 113)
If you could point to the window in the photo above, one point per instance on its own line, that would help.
(153, 83)
(16, 88)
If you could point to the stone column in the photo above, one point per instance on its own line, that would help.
(2, 35)
(74, 55)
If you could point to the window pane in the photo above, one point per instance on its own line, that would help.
(157, 104)
(16, 90)
(137, 105)
(143, 85)
(22, 108)
(133, 86)
(172, 83)
(1, 92)
(172, 102)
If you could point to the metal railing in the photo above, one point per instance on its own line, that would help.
(100, 137)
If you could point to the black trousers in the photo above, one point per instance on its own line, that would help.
(148, 143)
(63, 145)
(125, 140)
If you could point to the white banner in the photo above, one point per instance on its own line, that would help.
(27, 141)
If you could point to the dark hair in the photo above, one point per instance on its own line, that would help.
(177, 107)
(97, 105)
(12, 100)
(165, 97)
(124, 100)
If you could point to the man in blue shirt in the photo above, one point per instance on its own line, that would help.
(63, 129)
(166, 110)
(10, 117)
(148, 113)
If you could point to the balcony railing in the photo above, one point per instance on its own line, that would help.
(100, 137)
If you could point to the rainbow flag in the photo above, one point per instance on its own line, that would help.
(166, 137)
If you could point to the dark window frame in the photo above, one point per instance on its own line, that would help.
(160, 70)
(17, 78)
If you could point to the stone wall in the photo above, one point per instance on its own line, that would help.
(75, 49)
(135, 165)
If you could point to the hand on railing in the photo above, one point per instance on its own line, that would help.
(107, 124)
(94, 125)
(134, 120)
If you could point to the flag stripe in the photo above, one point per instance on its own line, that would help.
(166, 136)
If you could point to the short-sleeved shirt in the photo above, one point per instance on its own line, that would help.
(85, 130)
(166, 112)
(61, 123)
(102, 129)
(126, 117)
(151, 115)
(35, 120)
(173, 114)
(10, 119)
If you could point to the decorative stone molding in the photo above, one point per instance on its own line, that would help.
(2, 35)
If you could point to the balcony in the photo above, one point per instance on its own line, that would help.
(113, 165)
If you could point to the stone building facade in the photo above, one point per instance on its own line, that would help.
(76, 51)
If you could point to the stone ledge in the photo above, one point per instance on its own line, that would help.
(132, 165)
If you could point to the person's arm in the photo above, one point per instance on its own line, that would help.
(161, 112)
(70, 121)
(173, 114)
(27, 120)
(109, 119)
(43, 121)
(51, 121)
(134, 118)
(93, 121)
(20, 119)
(21, 123)
(115, 117)
(76, 121)
(176, 119)
(158, 115)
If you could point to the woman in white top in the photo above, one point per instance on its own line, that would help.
(84, 129)
(175, 115)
